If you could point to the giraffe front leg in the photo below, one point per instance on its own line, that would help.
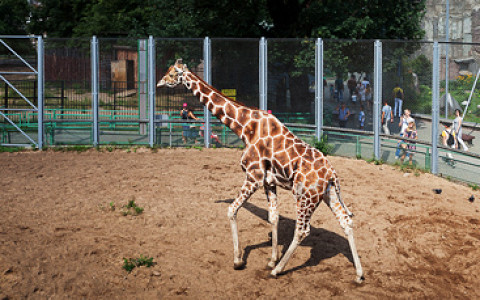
(247, 190)
(273, 218)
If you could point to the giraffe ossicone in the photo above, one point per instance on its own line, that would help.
(273, 157)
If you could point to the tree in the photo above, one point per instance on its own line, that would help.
(57, 18)
(14, 22)
(15, 17)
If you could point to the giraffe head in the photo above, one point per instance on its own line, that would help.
(174, 75)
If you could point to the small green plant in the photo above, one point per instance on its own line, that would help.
(112, 205)
(132, 209)
(474, 186)
(323, 146)
(131, 263)
(376, 161)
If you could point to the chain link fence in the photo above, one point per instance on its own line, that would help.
(348, 79)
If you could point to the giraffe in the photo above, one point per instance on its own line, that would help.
(273, 157)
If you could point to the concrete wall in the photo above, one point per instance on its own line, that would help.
(464, 27)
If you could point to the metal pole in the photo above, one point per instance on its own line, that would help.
(471, 94)
(435, 107)
(151, 90)
(40, 81)
(94, 61)
(319, 89)
(263, 80)
(377, 96)
(142, 83)
(207, 76)
(447, 21)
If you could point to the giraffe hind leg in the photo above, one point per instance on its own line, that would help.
(273, 218)
(345, 220)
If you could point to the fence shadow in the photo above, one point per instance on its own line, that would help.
(323, 243)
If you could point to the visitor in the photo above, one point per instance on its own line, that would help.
(404, 120)
(351, 85)
(361, 118)
(457, 128)
(339, 88)
(387, 117)
(188, 130)
(343, 114)
(409, 147)
(448, 140)
(398, 96)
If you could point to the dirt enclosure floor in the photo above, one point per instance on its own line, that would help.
(59, 237)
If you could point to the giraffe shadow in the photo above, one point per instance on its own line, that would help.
(323, 243)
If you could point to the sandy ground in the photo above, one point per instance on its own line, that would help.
(60, 239)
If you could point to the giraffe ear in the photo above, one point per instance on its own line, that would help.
(179, 61)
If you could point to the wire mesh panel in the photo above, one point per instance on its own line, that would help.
(68, 99)
(169, 101)
(348, 80)
(235, 73)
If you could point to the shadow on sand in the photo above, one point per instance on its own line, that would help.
(323, 243)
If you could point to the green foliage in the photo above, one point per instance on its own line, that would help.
(131, 263)
(473, 186)
(375, 161)
(131, 208)
(11, 149)
(323, 146)
(359, 19)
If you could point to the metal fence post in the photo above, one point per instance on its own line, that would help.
(377, 96)
(435, 107)
(207, 76)
(94, 61)
(40, 80)
(319, 89)
(142, 83)
(263, 79)
(151, 90)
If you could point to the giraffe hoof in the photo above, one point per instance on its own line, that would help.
(271, 265)
(360, 279)
(239, 266)
(272, 275)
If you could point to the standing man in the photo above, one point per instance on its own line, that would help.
(339, 87)
(387, 117)
(398, 96)
(352, 85)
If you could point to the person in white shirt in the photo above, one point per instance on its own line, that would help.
(457, 127)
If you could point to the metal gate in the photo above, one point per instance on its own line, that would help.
(14, 124)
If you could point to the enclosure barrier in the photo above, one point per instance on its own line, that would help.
(275, 88)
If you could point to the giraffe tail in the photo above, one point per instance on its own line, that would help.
(336, 182)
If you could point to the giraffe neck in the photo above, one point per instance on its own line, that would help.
(232, 114)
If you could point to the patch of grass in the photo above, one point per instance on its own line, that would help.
(76, 148)
(474, 186)
(11, 149)
(131, 263)
(375, 161)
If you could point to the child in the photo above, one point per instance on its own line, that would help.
(361, 117)
(449, 140)
(410, 133)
